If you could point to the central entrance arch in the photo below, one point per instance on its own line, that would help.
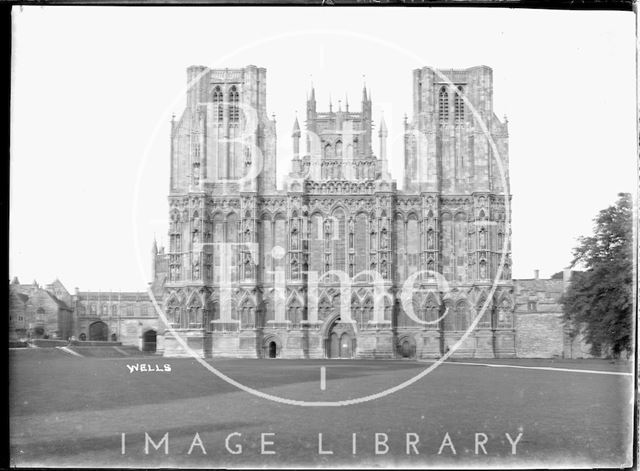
(98, 331)
(341, 340)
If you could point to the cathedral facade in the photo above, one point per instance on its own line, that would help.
(340, 263)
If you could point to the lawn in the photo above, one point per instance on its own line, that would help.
(69, 411)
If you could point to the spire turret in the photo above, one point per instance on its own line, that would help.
(383, 133)
(364, 89)
(296, 128)
(296, 139)
(383, 128)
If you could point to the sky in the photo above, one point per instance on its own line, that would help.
(94, 88)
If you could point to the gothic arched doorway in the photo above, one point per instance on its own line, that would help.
(407, 347)
(271, 346)
(340, 341)
(149, 341)
(98, 331)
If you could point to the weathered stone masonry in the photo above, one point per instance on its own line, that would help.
(340, 211)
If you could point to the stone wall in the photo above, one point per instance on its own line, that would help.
(539, 335)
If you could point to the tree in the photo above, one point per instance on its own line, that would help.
(599, 299)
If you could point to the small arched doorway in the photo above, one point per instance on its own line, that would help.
(98, 331)
(149, 341)
(271, 347)
(406, 347)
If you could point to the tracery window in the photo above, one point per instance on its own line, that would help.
(217, 103)
(234, 111)
(459, 105)
(443, 105)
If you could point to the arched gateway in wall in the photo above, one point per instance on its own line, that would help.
(98, 331)
(149, 341)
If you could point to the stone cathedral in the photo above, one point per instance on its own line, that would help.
(339, 263)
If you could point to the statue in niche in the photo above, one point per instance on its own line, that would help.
(248, 271)
(327, 229)
(294, 236)
(483, 241)
(383, 239)
(430, 239)
(196, 270)
(196, 237)
(483, 270)
(373, 239)
(383, 268)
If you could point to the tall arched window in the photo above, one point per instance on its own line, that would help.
(460, 322)
(459, 105)
(217, 102)
(234, 111)
(328, 151)
(443, 105)
(40, 316)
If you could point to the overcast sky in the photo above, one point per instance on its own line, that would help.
(94, 90)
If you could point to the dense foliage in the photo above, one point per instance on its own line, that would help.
(600, 299)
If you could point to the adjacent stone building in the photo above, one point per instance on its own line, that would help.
(259, 272)
(53, 313)
(540, 329)
(35, 312)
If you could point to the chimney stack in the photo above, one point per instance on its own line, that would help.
(536, 274)
(566, 275)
